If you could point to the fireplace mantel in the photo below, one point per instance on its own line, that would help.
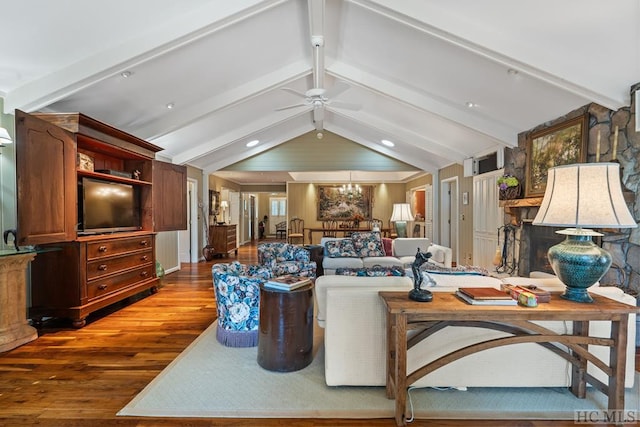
(512, 207)
(521, 203)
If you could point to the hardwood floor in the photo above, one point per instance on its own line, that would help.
(70, 377)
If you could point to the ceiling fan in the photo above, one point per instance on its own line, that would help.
(317, 98)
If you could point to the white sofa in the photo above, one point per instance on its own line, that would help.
(403, 255)
(353, 317)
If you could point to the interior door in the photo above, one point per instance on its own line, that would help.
(488, 216)
(449, 216)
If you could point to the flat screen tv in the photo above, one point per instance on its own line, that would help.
(107, 207)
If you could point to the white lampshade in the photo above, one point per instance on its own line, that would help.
(4, 137)
(401, 212)
(224, 204)
(584, 195)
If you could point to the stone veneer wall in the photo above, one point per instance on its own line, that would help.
(624, 245)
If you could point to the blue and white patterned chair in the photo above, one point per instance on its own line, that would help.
(237, 291)
(285, 258)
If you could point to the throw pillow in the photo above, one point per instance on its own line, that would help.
(437, 255)
(387, 246)
(367, 243)
(342, 248)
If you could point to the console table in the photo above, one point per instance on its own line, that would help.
(447, 310)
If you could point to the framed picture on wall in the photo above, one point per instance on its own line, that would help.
(214, 202)
(333, 204)
(561, 144)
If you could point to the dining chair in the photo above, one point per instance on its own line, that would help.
(296, 230)
(329, 228)
(347, 224)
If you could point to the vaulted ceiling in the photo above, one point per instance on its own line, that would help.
(442, 80)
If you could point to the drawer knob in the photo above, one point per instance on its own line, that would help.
(144, 257)
(102, 249)
(102, 267)
(144, 242)
(144, 274)
(102, 287)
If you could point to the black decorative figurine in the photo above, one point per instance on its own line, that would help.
(418, 294)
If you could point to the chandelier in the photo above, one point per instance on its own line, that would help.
(350, 190)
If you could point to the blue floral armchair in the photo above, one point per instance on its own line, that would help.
(285, 258)
(237, 291)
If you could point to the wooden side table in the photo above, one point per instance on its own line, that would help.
(285, 332)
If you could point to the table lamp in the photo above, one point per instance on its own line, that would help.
(400, 215)
(224, 205)
(578, 196)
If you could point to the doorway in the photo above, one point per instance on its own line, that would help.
(188, 239)
(449, 215)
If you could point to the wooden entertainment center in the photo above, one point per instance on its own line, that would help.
(78, 271)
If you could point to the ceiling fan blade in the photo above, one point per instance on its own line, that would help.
(288, 107)
(344, 105)
(336, 89)
(293, 91)
(318, 114)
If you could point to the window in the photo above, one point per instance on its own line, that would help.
(278, 206)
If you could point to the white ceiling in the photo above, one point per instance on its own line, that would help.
(411, 66)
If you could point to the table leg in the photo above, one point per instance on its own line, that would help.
(579, 371)
(617, 362)
(391, 361)
(401, 368)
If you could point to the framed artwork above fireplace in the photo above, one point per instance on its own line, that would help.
(561, 144)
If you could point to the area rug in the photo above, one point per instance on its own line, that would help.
(210, 380)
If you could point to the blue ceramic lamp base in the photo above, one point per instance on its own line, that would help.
(578, 263)
(401, 228)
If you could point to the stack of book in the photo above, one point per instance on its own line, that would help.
(287, 283)
(485, 296)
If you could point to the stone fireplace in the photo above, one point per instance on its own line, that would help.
(622, 244)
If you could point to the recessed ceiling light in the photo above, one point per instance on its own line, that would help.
(470, 104)
(388, 143)
(170, 105)
(126, 74)
(253, 143)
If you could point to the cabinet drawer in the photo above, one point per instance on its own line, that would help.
(100, 287)
(118, 246)
(105, 266)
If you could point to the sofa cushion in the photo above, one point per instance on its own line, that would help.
(367, 243)
(432, 268)
(384, 261)
(375, 271)
(330, 264)
(437, 255)
(326, 282)
(408, 246)
(340, 249)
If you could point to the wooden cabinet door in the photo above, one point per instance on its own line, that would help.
(46, 182)
(169, 196)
